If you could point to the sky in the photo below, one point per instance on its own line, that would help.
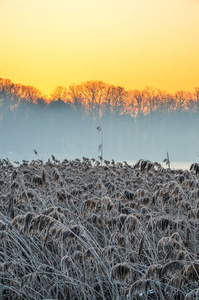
(131, 43)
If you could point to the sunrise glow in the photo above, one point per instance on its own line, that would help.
(129, 43)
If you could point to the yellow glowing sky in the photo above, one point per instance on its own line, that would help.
(133, 43)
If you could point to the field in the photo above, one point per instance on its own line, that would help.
(83, 230)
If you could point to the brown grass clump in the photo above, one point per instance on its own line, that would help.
(89, 206)
(153, 272)
(172, 268)
(125, 272)
(168, 244)
(191, 272)
(131, 223)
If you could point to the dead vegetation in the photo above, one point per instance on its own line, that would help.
(80, 230)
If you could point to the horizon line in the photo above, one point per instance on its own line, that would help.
(47, 96)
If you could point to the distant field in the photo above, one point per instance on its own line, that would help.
(80, 230)
(185, 165)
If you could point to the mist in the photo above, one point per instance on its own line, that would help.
(68, 129)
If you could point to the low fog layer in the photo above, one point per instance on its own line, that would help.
(66, 134)
(68, 129)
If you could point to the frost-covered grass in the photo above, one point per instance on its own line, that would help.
(80, 230)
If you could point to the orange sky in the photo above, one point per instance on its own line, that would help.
(132, 43)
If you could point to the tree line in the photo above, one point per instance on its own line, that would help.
(96, 98)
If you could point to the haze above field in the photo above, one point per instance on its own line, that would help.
(136, 124)
(129, 43)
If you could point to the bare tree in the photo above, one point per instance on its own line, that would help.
(60, 93)
(115, 98)
(93, 92)
(136, 103)
(181, 98)
(76, 97)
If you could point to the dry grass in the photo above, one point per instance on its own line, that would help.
(79, 230)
